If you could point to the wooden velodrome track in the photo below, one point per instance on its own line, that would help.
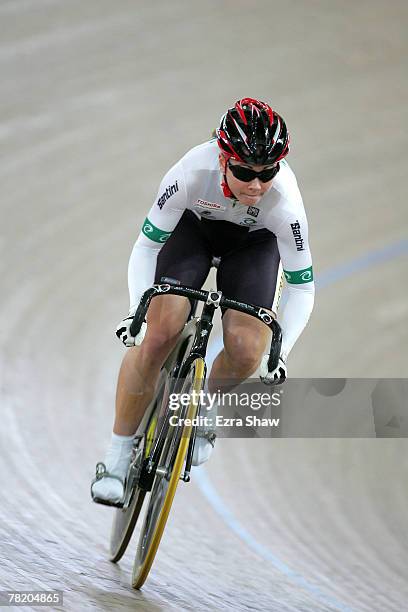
(98, 101)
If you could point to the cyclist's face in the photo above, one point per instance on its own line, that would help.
(247, 193)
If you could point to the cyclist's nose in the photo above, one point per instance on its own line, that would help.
(255, 184)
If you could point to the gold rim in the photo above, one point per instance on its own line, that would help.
(143, 570)
(150, 434)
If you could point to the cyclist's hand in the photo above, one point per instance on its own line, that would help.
(277, 376)
(123, 331)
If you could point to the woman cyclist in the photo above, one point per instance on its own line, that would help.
(236, 198)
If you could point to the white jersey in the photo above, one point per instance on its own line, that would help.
(194, 183)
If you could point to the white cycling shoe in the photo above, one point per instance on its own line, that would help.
(108, 486)
(205, 437)
(203, 448)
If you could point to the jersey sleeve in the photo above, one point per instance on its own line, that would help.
(163, 217)
(293, 244)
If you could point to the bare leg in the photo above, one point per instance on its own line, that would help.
(136, 383)
(141, 365)
(245, 340)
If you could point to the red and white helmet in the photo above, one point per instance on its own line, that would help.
(251, 132)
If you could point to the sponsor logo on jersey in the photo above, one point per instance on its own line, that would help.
(253, 211)
(298, 277)
(248, 221)
(154, 233)
(297, 236)
(208, 205)
(170, 190)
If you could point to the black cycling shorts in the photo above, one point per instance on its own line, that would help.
(249, 261)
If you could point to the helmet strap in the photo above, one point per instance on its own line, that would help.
(225, 189)
(224, 183)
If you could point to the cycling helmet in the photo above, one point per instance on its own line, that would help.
(251, 132)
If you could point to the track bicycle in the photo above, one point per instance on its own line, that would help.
(162, 452)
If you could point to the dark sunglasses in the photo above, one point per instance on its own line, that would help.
(247, 174)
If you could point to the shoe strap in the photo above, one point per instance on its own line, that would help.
(102, 472)
(208, 435)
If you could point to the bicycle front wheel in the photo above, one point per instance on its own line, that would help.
(164, 488)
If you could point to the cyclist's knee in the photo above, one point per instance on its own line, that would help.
(165, 320)
(244, 349)
(159, 340)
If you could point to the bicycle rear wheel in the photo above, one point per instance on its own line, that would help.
(164, 488)
(125, 519)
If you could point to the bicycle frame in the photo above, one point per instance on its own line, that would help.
(203, 327)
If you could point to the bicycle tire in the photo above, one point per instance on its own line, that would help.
(145, 554)
(123, 527)
(125, 520)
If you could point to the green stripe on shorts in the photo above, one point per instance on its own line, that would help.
(153, 232)
(298, 277)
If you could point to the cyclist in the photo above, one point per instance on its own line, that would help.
(234, 197)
